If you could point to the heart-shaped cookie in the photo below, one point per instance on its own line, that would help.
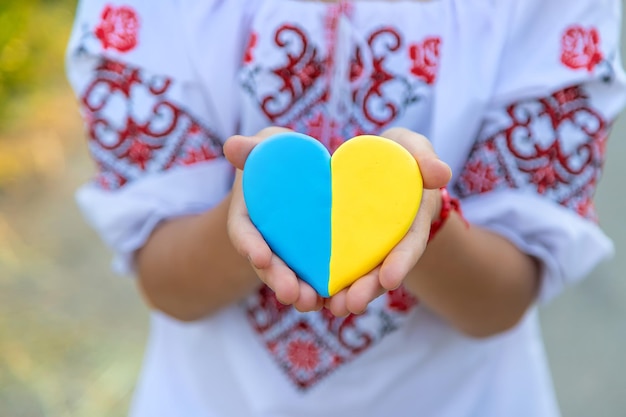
(331, 219)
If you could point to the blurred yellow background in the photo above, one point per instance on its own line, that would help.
(72, 334)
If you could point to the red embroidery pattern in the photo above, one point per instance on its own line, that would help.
(308, 347)
(554, 145)
(302, 92)
(303, 67)
(319, 125)
(331, 24)
(580, 48)
(248, 56)
(128, 139)
(385, 40)
(400, 300)
(303, 354)
(118, 28)
(294, 91)
(425, 57)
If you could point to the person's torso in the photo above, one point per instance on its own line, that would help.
(334, 71)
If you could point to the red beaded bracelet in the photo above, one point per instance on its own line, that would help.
(448, 204)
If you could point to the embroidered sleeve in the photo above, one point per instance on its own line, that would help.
(155, 139)
(553, 146)
(534, 167)
(136, 128)
(135, 119)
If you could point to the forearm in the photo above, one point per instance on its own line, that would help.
(189, 269)
(477, 280)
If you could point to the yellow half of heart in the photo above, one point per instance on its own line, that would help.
(376, 192)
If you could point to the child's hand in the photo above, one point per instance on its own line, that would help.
(403, 257)
(248, 241)
(389, 275)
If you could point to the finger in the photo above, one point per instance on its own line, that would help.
(435, 172)
(249, 242)
(403, 257)
(401, 260)
(308, 299)
(238, 147)
(337, 304)
(243, 234)
(281, 279)
(363, 291)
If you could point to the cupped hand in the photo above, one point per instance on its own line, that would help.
(289, 289)
(402, 258)
(387, 276)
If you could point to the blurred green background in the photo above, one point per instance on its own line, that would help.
(72, 335)
(33, 35)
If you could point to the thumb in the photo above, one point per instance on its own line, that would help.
(238, 147)
(435, 172)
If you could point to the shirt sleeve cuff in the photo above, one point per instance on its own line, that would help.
(126, 217)
(568, 246)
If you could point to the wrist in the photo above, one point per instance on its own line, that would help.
(446, 204)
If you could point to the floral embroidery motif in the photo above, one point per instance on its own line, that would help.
(300, 92)
(300, 72)
(555, 144)
(580, 48)
(294, 90)
(309, 347)
(303, 354)
(118, 28)
(425, 57)
(386, 40)
(152, 137)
